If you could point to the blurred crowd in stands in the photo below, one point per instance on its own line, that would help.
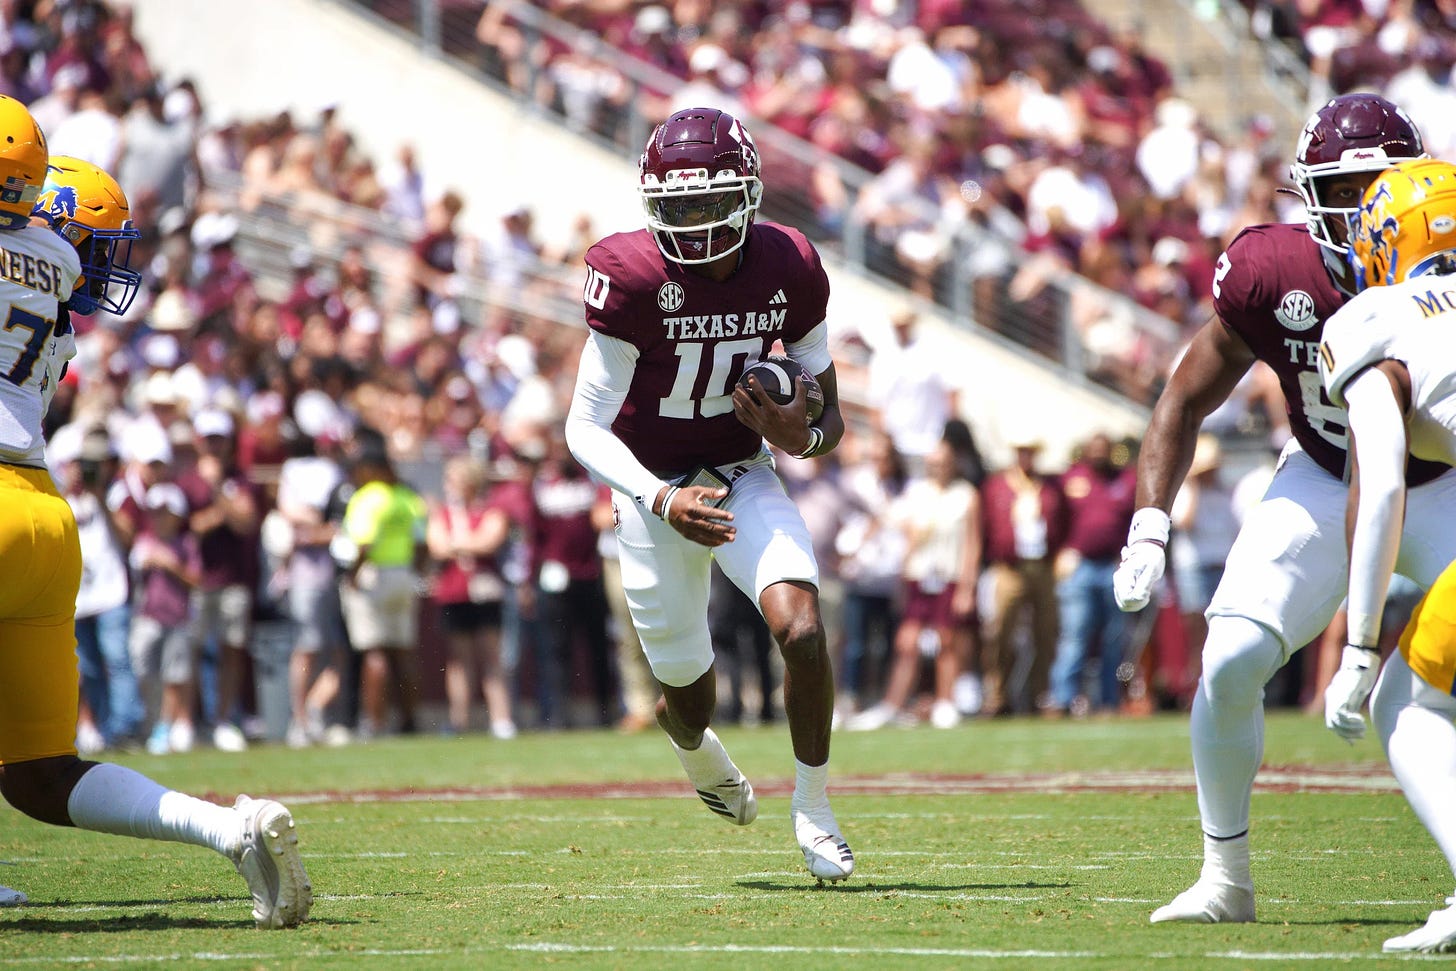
(322, 467)
(986, 128)
(1405, 48)
(981, 126)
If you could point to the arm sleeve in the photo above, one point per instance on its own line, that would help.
(1378, 428)
(602, 381)
(812, 350)
(1353, 340)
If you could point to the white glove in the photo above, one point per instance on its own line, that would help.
(1142, 566)
(1143, 558)
(1348, 690)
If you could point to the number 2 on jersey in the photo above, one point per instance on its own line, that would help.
(40, 332)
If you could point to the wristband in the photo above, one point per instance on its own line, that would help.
(667, 502)
(1149, 525)
(816, 439)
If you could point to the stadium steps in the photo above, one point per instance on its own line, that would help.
(1217, 66)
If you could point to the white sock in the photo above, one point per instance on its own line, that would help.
(116, 800)
(708, 760)
(1227, 860)
(809, 784)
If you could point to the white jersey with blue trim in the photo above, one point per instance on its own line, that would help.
(38, 270)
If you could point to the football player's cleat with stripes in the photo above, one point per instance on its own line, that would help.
(717, 780)
(826, 853)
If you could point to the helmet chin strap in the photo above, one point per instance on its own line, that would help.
(1340, 270)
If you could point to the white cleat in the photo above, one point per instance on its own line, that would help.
(1209, 903)
(11, 898)
(1437, 936)
(871, 719)
(720, 785)
(268, 859)
(826, 854)
(227, 737)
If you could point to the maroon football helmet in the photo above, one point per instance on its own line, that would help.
(699, 183)
(1352, 133)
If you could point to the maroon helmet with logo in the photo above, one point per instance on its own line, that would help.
(1358, 132)
(698, 179)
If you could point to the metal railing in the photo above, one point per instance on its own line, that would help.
(1242, 72)
(974, 295)
(1284, 69)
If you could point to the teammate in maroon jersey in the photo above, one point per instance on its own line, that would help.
(1274, 287)
(677, 311)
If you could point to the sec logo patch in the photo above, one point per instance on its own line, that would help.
(1296, 310)
(670, 296)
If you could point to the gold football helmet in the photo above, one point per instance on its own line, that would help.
(23, 156)
(1406, 225)
(88, 209)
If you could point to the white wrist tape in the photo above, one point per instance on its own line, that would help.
(1149, 524)
(1364, 630)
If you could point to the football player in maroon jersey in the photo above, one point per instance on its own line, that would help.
(677, 311)
(1274, 287)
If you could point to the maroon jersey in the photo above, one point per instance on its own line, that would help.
(1099, 509)
(452, 584)
(564, 532)
(694, 336)
(229, 558)
(1272, 289)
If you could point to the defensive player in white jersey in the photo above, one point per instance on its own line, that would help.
(677, 311)
(40, 555)
(1275, 287)
(1389, 356)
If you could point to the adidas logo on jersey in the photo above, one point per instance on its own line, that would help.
(777, 299)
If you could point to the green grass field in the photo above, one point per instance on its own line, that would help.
(1009, 844)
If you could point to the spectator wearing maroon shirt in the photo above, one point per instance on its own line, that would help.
(261, 446)
(168, 566)
(568, 511)
(434, 256)
(1099, 509)
(1024, 522)
(309, 294)
(225, 518)
(466, 534)
(225, 293)
(148, 456)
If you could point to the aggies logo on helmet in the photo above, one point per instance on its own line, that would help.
(750, 151)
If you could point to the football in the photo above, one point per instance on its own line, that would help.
(777, 375)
